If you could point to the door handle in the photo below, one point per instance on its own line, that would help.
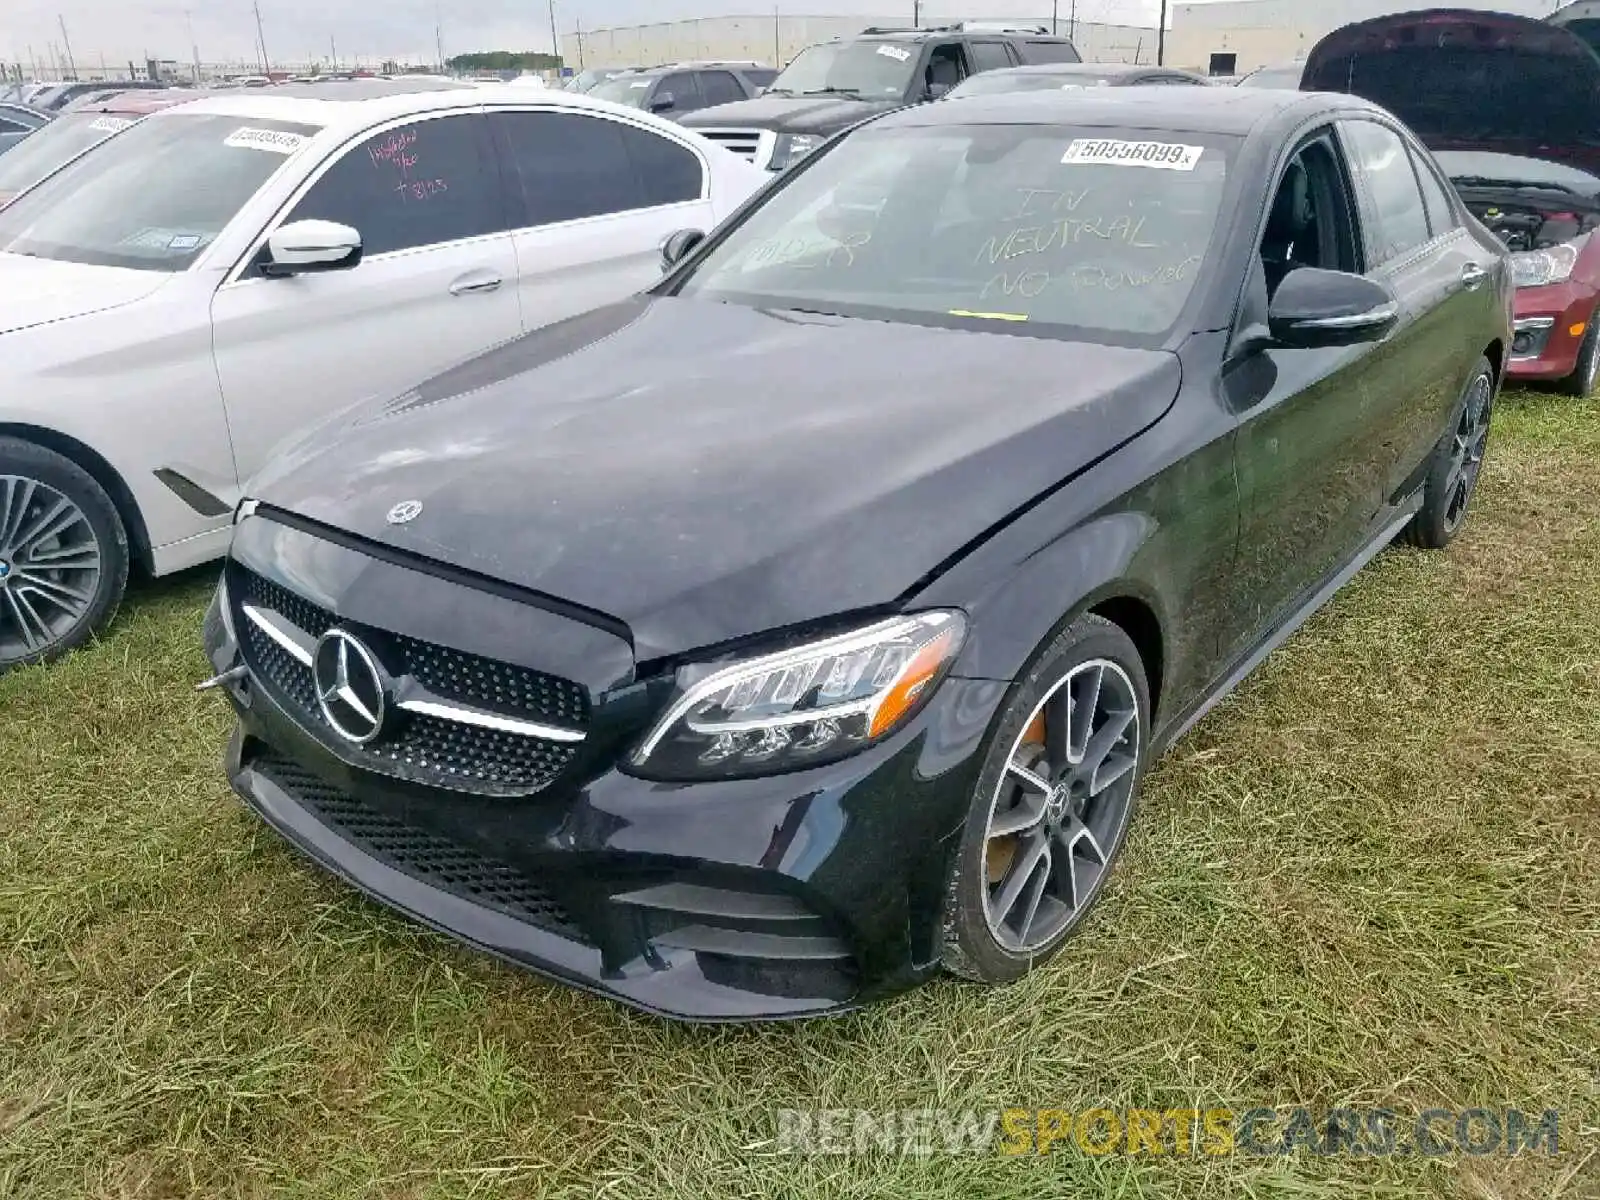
(1473, 276)
(471, 285)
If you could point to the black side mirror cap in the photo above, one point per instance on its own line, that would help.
(664, 102)
(678, 247)
(1315, 309)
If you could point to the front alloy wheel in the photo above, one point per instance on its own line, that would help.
(63, 554)
(1058, 795)
(1457, 464)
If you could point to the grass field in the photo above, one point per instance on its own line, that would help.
(1370, 878)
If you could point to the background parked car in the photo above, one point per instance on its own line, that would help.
(72, 133)
(587, 80)
(834, 85)
(1286, 76)
(1067, 76)
(58, 97)
(1510, 107)
(219, 275)
(671, 91)
(17, 121)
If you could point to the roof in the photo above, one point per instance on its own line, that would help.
(363, 102)
(1193, 110)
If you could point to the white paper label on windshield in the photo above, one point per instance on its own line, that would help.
(1162, 156)
(640, 85)
(894, 52)
(109, 124)
(265, 139)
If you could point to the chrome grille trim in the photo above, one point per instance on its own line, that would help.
(294, 641)
(410, 695)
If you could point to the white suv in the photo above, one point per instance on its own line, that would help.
(218, 276)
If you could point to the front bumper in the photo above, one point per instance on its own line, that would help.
(794, 895)
(1549, 329)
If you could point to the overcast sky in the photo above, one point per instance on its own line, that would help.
(374, 29)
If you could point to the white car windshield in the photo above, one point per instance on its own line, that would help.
(1039, 230)
(153, 197)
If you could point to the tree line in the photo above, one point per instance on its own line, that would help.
(505, 60)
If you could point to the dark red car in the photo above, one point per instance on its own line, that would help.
(1510, 108)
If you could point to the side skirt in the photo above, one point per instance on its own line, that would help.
(1232, 678)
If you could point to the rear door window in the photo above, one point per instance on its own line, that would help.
(989, 56)
(1399, 220)
(719, 87)
(1049, 52)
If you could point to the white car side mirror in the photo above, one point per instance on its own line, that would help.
(304, 246)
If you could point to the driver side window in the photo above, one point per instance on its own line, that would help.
(1309, 222)
(947, 66)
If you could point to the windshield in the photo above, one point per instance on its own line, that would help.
(1284, 78)
(1033, 229)
(994, 83)
(874, 69)
(623, 90)
(54, 145)
(155, 196)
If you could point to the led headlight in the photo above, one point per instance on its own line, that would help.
(1536, 268)
(792, 147)
(804, 706)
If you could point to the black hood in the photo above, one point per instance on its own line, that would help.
(1467, 80)
(703, 471)
(791, 114)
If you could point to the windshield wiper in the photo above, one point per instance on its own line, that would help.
(778, 92)
(1515, 184)
(832, 91)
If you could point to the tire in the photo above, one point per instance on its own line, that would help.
(1072, 866)
(1587, 373)
(1457, 463)
(63, 555)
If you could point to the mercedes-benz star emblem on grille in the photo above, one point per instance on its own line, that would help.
(405, 512)
(350, 687)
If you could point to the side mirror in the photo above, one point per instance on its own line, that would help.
(664, 102)
(302, 247)
(678, 246)
(938, 91)
(1314, 309)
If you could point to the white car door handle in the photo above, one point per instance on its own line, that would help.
(1473, 276)
(469, 285)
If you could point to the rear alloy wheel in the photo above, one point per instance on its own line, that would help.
(1587, 373)
(63, 555)
(1457, 463)
(1055, 800)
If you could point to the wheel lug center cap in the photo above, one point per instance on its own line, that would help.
(1058, 803)
(5, 572)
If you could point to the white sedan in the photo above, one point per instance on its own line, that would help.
(209, 281)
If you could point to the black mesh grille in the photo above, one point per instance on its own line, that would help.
(425, 856)
(435, 750)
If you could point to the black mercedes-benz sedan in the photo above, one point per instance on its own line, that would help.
(762, 645)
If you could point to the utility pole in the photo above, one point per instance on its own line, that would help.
(555, 38)
(1161, 37)
(916, 14)
(266, 63)
(33, 62)
(72, 67)
(777, 37)
(580, 45)
(1055, 17)
(438, 36)
(333, 52)
(194, 46)
(1072, 22)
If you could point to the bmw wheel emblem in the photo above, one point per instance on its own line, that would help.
(351, 688)
(405, 512)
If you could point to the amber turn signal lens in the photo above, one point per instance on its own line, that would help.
(904, 693)
(1577, 330)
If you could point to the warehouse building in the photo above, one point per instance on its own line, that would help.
(1234, 36)
(775, 39)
